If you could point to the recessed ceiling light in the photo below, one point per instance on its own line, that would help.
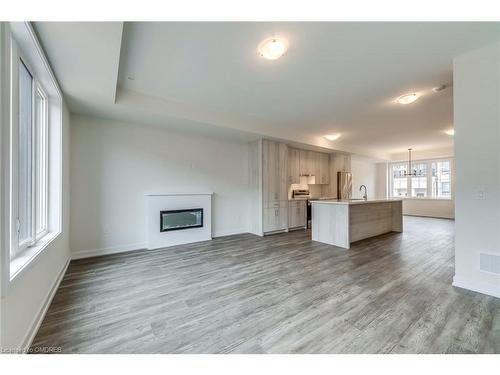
(332, 137)
(450, 131)
(272, 48)
(407, 98)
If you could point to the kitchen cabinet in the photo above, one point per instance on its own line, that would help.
(293, 166)
(274, 166)
(314, 161)
(324, 169)
(304, 163)
(297, 214)
(274, 219)
(274, 186)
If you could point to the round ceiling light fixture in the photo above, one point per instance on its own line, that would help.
(332, 137)
(407, 98)
(272, 48)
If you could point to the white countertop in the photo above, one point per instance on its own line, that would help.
(353, 201)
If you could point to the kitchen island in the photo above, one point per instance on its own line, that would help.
(341, 222)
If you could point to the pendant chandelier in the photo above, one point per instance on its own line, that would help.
(412, 173)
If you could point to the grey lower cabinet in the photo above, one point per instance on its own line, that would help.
(275, 217)
(297, 214)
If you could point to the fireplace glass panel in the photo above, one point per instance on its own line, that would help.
(181, 219)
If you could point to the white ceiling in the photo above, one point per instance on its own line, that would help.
(335, 78)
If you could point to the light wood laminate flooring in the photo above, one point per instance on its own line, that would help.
(278, 294)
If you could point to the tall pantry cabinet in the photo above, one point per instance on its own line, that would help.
(268, 184)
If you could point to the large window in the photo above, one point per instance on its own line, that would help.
(429, 179)
(399, 180)
(32, 163)
(34, 166)
(419, 181)
(441, 179)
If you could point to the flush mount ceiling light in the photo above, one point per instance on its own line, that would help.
(332, 137)
(439, 88)
(272, 48)
(407, 98)
(450, 131)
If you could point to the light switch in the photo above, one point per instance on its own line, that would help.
(481, 195)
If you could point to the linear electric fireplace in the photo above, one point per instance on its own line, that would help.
(181, 219)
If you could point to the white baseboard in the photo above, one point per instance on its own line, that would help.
(431, 217)
(37, 321)
(108, 250)
(475, 286)
(230, 233)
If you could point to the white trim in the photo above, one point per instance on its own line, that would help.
(229, 233)
(23, 259)
(23, 29)
(108, 250)
(425, 199)
(480, 287)
(169, 194)
(37, 321)
(432, 217)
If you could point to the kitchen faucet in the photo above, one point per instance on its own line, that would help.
(365, 196)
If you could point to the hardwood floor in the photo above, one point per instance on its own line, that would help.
(278, 294)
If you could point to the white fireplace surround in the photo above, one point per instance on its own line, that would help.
(177, 201)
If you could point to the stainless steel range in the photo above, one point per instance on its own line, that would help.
(301, 194)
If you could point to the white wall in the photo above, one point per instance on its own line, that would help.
(476, 78)
(381, 187)
(114, 164)
(28, 293)
(440, 208)
(364, 172)
(442, 152)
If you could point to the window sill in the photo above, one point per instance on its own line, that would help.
(21, 261)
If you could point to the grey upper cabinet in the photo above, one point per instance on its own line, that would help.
(303, 163)
(324, 169)
(311, 164)
(314, 160)
(293, 166)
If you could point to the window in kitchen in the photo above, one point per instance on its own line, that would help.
(430, 179)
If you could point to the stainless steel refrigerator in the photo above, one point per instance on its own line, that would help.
(344, 185)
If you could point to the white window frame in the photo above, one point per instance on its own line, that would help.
(37, 89)
(20, 42)
(428, 162)
(44, 133)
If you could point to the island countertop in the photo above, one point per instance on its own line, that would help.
(354, 201)
(340, 222)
